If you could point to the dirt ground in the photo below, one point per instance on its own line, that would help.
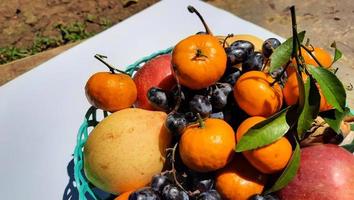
(22, 20)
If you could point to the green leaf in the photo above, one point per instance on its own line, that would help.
(331, 87)
(282, 54)
(337, 54)
(351, 127)
(311, 107)
(289, 172)
(265, 132)
(334, 118)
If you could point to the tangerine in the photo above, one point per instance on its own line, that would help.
(324, 105)
(291, 92)
(207, 147)
(321, 55)
(246, 125)
(199, 61)
(239, 180)
(268, 159)
(255, 95)
(111, 92)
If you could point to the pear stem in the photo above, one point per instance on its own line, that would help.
(191, 9)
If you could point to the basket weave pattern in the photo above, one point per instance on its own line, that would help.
(90, 121)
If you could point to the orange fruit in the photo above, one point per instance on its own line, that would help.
(207, 148)
(271, 158)
(199, 61)
(123, 196)
(324, 105)
(268, 159)
(291, 89)
(291, 92)
(111, 92)
(254, 94)
(239, 180)
(246, 125)
(321, 55)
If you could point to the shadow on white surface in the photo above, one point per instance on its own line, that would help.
(71, 193)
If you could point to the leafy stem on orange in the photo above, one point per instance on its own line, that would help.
(278, 78)
(191, 9)
(311, 54)
(110, 67)
(200, 121)
(199, 54)
(295, 51)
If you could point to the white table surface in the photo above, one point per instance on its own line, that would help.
(41, 111)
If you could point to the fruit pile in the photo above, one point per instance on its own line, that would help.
(221, 118)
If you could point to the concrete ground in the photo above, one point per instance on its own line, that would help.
(324, 21)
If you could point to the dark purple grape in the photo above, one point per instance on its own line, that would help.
(253, 63)
(269, 45)
(243, 44)
(277, 73)
(144, 194)
(171, 192)
(265, 197)
(217, 115)
(205, 185)
(218, 99)
(209, 195)
(271, 197)
(176, 123)
(225, 87)
(158, 182)
(257, 197)
(183, 196)
(191, 117)
(175, 93)
(232, 77)
(238, 52)
(200, 104)
(160, 99)
(202, 181)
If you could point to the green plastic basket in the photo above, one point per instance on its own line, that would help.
(83, 186)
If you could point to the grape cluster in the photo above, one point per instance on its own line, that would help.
(265, 197)
(216, 101)
(162, 187)
(185, 106)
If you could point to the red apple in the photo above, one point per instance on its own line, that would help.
(326, 173)
(156, 72)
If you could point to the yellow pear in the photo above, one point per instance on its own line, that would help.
(126, 149)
